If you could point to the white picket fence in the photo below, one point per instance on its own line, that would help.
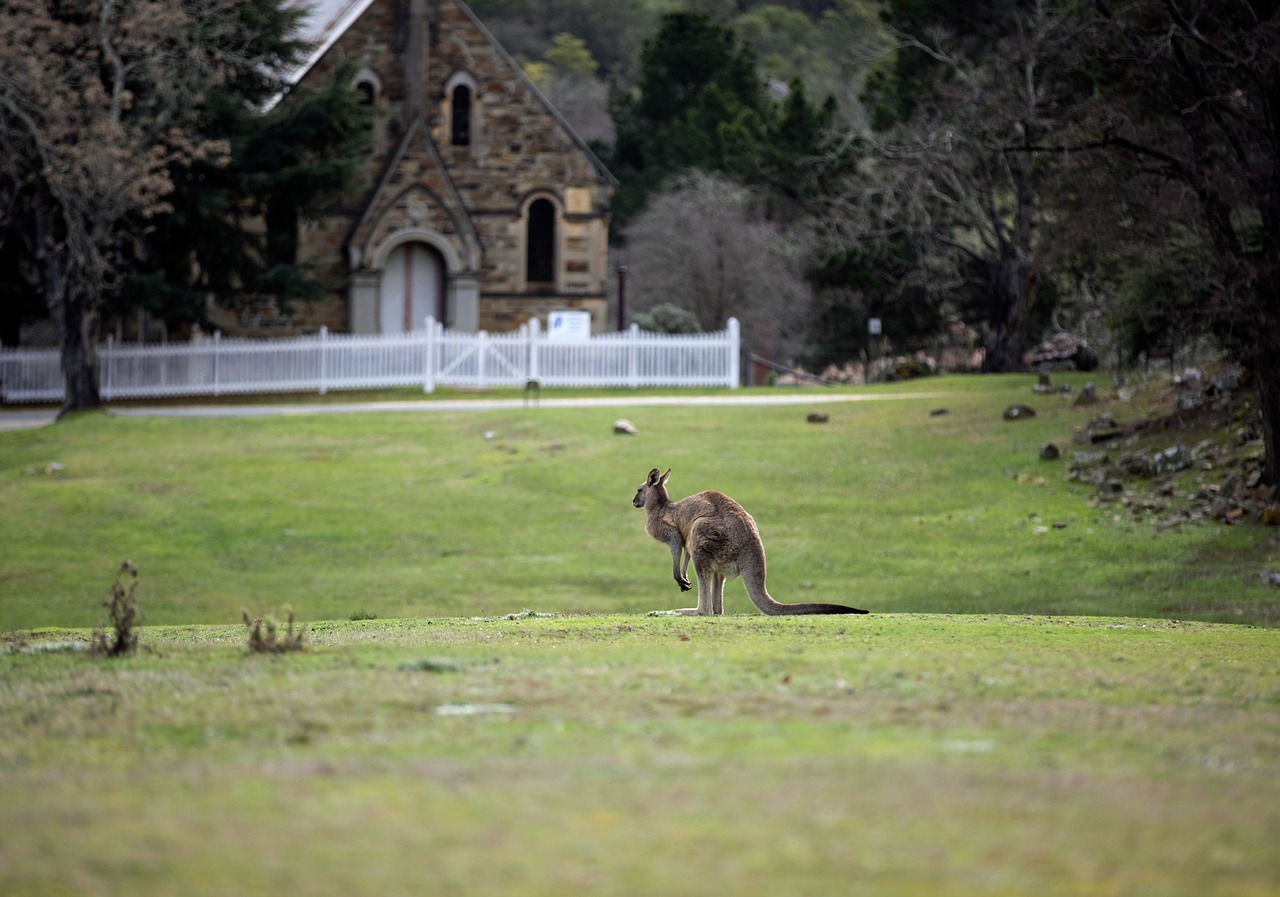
(429, 357)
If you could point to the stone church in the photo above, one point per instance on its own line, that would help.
(480, 207)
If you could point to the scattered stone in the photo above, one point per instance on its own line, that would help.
(1044, 387)
(624, 427)
(1019, 412)
(1189, 401)
(1102, 428)
(1088, 395)
(1226, 382)
(1270, 577)
(1136, 465)
(1050, 452)
(54, 467)
(1171, 460)
(818, 417)
(1191, 379)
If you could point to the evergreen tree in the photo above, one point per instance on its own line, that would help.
(278, 166)
(700, 104)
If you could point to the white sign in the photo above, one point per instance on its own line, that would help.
(569, 325)
(873, 326)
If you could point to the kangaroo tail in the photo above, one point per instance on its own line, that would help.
(819, 609)
(767, 605)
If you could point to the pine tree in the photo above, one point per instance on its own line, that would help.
(279, 165)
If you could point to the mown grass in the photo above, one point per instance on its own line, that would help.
(631, 755)
(414, 514)
(1015, 718)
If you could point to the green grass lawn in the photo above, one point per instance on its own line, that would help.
(1045, 700)
(417, 514)
(621, 754)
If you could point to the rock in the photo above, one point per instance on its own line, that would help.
(1225, 382)
(1136, 465)
(818, 417)
(1087, 459)
(1191, 379)
(939, 412)
(1189, 401)
(624, 427)
(1088, 395)
(1171, 460)
(1019, 412)
(1043, 385)
(1063, 351)
(1050, 452)
(1102, 428)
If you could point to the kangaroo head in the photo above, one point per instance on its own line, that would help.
(655, 485)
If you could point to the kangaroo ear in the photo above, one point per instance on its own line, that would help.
(653, 477)
(663, 479)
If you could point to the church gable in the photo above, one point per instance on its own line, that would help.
(417, 192)
(471, 161)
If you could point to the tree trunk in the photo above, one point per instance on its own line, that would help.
(1010, 288)
(1268, 377)
(1262, 355)
(79, 357)
(71, 307)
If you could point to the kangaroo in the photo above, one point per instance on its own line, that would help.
(719, 536)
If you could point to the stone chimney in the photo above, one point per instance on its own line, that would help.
(417, 52)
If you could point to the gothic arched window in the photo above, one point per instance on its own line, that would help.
(460, 132)
(541, 242)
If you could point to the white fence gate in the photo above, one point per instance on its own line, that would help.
(429, 357)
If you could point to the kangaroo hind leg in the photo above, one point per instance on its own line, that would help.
(717, 593)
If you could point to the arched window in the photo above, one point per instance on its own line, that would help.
(369, 86)
(541, 243)
(460, 132)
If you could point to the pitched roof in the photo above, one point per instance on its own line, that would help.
(322, 23)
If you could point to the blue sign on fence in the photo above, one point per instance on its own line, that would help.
(569, 325)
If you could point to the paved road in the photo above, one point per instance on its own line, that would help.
(26, 419)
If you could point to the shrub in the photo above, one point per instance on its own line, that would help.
(264, 637)
(122, 608)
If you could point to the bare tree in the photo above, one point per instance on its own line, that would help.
(704, 244)
(953, 178)
(93, 99)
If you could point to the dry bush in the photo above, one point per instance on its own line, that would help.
(265, 638)
(122, 608)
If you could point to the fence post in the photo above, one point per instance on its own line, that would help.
(734, 338)
(217, 340)
(429, 355)
(104, 368)
(534, 372)
(482, 349)
(324, 344)
(633, 356)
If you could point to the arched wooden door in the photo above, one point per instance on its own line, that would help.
(412, 288)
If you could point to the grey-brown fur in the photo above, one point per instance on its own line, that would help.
(720, 538)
